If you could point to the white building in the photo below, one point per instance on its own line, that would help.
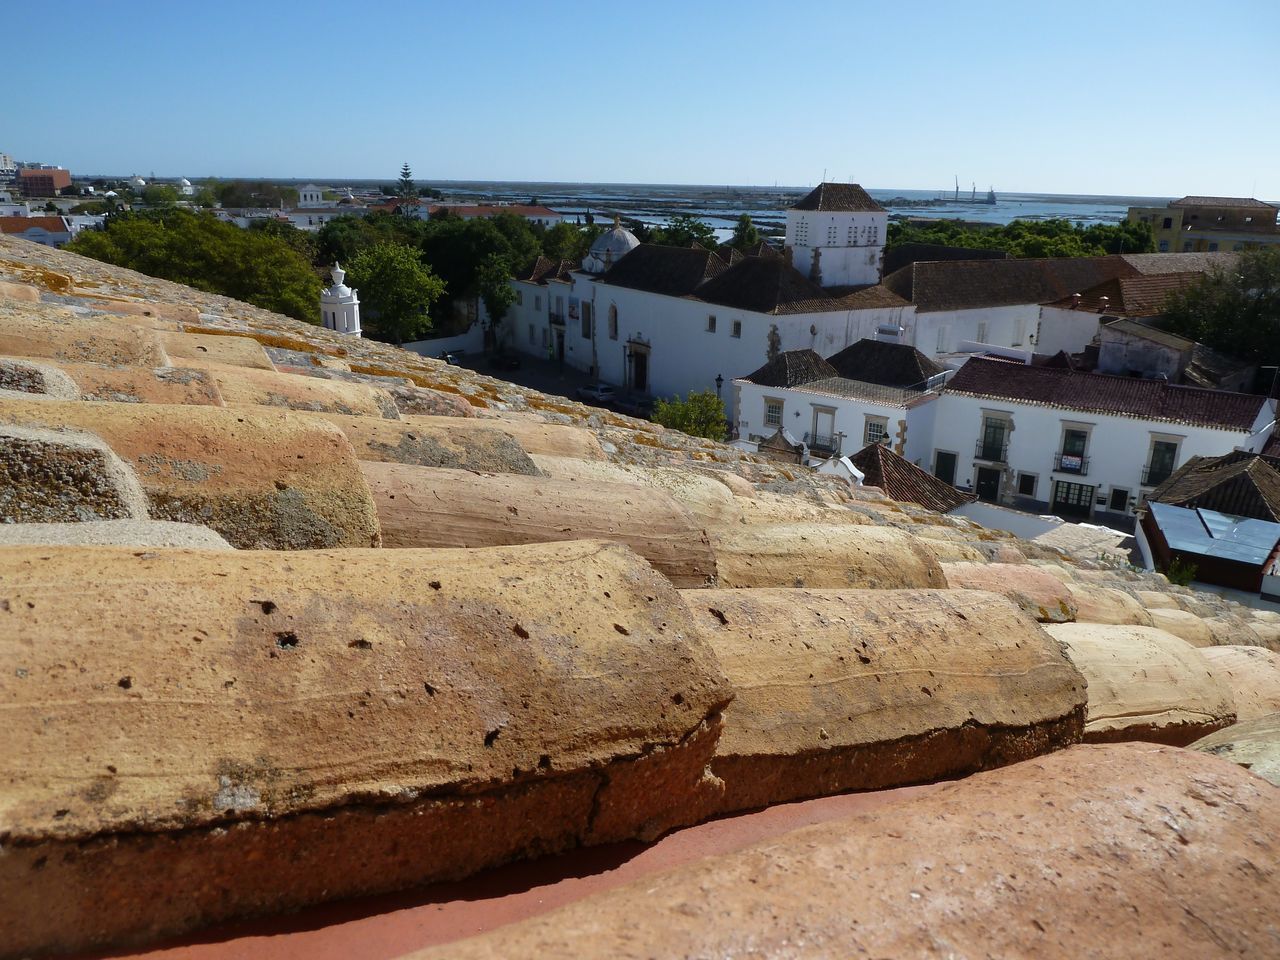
(1051, 439)
(185, 188)
(837, 235)
(48, 231)
(312, 196)
(670, 320)
(868, 393)
(339, 305)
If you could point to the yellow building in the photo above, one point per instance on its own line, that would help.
(1208, 224)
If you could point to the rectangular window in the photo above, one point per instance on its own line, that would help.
(586, 321)
(711, 324)
(537, 304)
(773, 413)
(944, 466)
(1019, 331)
(531, 335)
(1168, 223)
(876, 429)
(1027, 484)
(982, 331)
(519, 298)
(546, 337)
(1119, 500)
(1164, 454)
(1164, 246)
(737, 329)
(942, 339)
(1213, 246)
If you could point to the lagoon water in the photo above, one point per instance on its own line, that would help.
(721, 205)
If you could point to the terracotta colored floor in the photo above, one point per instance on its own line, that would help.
(381, 928)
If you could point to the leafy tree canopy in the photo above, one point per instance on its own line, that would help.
(494, 280)
(160, 193)
(245, 193)
(201, 251)
(568, 241)
(745, 234)
(396, 289)
(1235, 310)
(1030, 238)
(700, 414)
(682, 230)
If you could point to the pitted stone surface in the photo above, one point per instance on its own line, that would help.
(485, 447)
(437, 711)
(867, 689)
(63, 476)
(1145, 684)
(21, 375)
(1252, 674)
(261, 478)
(113, 533)
(1254, 744)
(1110, 852)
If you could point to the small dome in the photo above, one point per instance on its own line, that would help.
(616, 241)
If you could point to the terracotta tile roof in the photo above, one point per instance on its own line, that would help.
(844, 388)
(973, 284)
(791, 369)
(902, 480)
(673, 271)
(765, 285)
(838, 198)
(1241, 203)
(23, 224)
(1153, 400)
(905, 254)
(1239, 484)
(888, 364)
(1142, 296)
(1152, 264)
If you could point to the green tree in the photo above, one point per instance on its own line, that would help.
(303, 241)
(158, 194)
(494, 279)
(397, 289)
(1028, 238)
(683, 230)
(745, 234)
(201, 251)
(700, 414)
(405, 187)
(245, 193)
(1235, 310)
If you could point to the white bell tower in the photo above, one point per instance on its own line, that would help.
(339, 305)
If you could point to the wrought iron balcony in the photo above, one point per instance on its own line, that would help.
(1154, 474)
(1071, 463)
(992, 452)
(822, 443)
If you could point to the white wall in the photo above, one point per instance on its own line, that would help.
(1118, 448)
(1065, 329)
(1024, 525)
(683, 355)
(851, 244)
(472, 342)
(851, 415)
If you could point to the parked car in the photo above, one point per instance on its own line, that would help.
(635, 405)
(452, 357)
(600, 394)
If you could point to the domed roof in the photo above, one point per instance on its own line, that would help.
(614, 243)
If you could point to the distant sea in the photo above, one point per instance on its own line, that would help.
(722, 205)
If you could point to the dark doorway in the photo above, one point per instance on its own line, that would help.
(559, 335)
(944, 466)
(640, 372)
(1072, 500)
(988, 484)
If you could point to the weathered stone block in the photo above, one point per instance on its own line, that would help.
(1145, 684)
(427, 507)
(295, 727)
(1253, 676)
(867, 689)
(1036, 591)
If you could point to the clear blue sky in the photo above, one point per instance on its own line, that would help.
(1120, 97)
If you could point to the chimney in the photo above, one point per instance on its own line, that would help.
(1075, 301)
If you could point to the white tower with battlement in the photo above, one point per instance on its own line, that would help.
(836, 235)
(339, 305)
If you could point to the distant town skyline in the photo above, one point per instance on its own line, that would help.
(1092, 98)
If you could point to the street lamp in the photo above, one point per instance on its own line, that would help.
(719, 384)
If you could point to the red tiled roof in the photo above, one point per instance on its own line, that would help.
(1235, 203)
(1101, 393)
(839, 198)
(1131, 296)
(903, 481)
(23, 224)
